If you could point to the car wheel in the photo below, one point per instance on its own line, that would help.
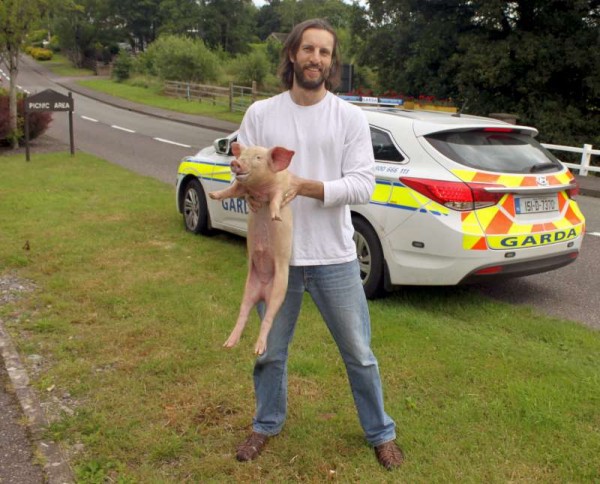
(370, 257)
(195, 210)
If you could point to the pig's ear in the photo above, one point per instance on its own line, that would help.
(236, 148)
(281, 158)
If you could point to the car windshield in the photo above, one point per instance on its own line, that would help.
(493, 150)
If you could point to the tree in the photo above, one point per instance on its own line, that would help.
(85, 28)
(268, 19)
(141, 19)
(17, 17)
(180, 17)
(228, 24)
(539, 59)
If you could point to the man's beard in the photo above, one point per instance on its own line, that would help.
(310, 84)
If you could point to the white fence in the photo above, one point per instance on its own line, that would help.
(586, 155)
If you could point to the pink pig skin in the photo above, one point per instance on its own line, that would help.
(262, 173)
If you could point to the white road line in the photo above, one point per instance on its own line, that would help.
(8, 79)
(122, 129)
(172, 142)
(596, 234)
(89, 119)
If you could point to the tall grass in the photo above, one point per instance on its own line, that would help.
(131, 311)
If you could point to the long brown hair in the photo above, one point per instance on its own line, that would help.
(292, 44)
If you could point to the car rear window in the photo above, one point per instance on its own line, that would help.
(490, 150)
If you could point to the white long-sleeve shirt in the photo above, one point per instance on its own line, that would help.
(332, 143)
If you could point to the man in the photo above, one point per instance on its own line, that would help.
(332, 168)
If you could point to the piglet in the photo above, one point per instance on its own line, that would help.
(261, 173)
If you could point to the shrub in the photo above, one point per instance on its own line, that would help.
(144, 63)
(54, 44)
(39, 53)
(181, 59)
(252, 67)
(38, 121)
(122, 67)
(273, 51)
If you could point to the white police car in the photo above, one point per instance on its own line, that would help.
(458, 199)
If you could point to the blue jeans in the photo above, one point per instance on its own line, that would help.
(337, 291)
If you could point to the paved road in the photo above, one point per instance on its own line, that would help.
(122, 135)
(570, 292)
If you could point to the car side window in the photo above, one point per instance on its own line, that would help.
(384, 148)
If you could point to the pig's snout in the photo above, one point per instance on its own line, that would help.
(236, 167)
(239, 171)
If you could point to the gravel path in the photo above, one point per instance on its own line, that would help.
(16, 449)
(22, 419)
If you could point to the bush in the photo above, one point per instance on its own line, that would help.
(54, 44)
(122, 67)
(180, 59)
(144, 63)
(38, 121)
(252, 67)
(40, 54)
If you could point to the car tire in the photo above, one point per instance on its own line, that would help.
(195, 209)
(370, 257)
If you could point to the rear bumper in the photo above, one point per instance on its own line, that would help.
(519, 269)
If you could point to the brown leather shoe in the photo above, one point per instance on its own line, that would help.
(389, 455)
(251, 447)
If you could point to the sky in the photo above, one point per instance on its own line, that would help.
(260, 3)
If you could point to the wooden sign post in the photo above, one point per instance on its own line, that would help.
(49, 100)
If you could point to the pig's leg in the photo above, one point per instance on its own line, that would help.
(252, 294)
(235, 190)
(275, 205)
(275, 295)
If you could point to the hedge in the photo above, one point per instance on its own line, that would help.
(38, 121)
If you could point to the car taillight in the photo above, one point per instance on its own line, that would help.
(455, 195)
(573, 191)
(498, 130)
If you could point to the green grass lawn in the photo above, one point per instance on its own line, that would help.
(62, 66)
(130, 313)
(152, 96)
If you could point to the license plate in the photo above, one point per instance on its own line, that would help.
(536, 204)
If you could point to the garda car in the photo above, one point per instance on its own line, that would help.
(458, 199)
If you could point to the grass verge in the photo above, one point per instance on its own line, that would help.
(131, 311)
(62, 66)
(152, 96)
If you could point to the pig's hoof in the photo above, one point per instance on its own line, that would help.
(260, 348)
(229, 343)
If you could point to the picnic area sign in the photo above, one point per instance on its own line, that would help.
(49, 100)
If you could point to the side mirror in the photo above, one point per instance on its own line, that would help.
(222, 146)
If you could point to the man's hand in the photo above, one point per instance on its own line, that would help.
(303, 187)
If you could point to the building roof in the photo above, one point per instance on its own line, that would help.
(279, 36)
